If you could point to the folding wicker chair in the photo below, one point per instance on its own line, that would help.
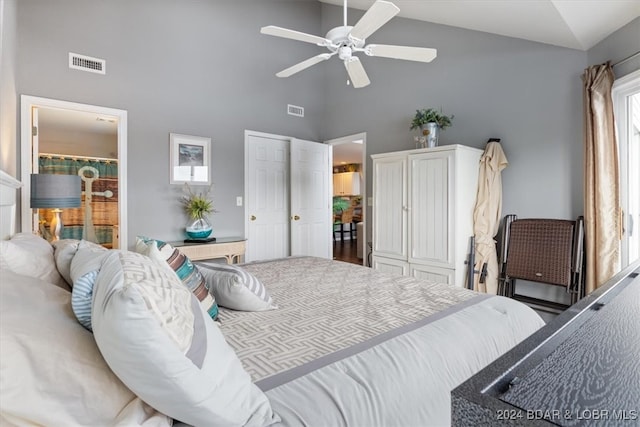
(548, 251)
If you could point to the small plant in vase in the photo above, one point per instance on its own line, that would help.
(197, 205)
(430, 121)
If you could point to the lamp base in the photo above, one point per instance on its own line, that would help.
(56, 225)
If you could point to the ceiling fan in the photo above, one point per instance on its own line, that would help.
(344, 41)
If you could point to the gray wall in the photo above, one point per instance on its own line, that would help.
(202, 68)
(8, 105)
(528, 94)
(192, 67)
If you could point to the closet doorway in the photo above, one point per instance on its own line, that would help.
(287, 210)
(349, 198)
(63, 137)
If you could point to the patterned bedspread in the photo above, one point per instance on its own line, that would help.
(325, 306)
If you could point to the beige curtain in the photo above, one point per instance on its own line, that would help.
(602, 212)
(486, 215)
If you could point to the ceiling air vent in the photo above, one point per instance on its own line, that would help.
(87, 63)
(294, 110)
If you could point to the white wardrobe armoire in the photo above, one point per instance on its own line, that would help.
(423, 204)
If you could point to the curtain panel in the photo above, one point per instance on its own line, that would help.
(602, 211)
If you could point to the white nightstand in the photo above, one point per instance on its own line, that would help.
(230, 248)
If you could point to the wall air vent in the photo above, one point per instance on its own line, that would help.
(294, 110)
(87, 63)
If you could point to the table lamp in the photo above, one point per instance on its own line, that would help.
(55, 192)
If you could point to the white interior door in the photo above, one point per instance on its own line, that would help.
(310, 205)
(267, 197)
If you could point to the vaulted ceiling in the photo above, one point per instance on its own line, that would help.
(576, 24)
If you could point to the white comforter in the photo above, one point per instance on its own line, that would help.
(350, 346)
(407, 380)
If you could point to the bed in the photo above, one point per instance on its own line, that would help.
(325, 343)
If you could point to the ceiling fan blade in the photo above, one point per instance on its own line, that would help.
(356, 72)
(304, 65)
(377, 15)
(422, 54)
(272, 30)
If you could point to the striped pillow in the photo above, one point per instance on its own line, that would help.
(188, 273)
(83, 270)
(81, 298)
(236, 288)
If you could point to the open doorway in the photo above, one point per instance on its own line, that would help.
(67, 138)
(348, 193)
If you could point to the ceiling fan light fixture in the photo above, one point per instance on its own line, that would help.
(344, 53)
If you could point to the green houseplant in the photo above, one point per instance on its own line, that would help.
(197, 205)
(430, 115)
(340, 205)
(430, 122)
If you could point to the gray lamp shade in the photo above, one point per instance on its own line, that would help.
(55, 191)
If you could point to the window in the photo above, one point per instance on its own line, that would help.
(626, 102)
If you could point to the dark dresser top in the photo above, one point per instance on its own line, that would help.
(583, 368)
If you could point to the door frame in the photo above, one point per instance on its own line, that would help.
(29, 158)
(362, 240)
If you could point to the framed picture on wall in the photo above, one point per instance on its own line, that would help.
(190, 158)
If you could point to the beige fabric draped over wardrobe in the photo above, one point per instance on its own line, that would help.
(486, 216)
(602, 212)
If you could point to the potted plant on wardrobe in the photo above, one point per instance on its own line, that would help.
(430, 121)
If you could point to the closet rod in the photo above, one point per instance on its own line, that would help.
(67, 156)
(628, 58)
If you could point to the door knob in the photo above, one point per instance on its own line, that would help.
(252, 218)
(296, 217)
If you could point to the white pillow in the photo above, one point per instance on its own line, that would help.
(87, 258)
(63, 252)
(141, 314)
(236, 288)
(32, 256)
(51, 371)
(85, 264)
(82, 298)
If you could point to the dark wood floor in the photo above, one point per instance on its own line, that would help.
(346, 251)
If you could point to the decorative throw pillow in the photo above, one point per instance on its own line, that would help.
(188, 273)
(32, 256)
(236, 288)
(85, 264)
(82, 298)
(51, 370)
(156, 337)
